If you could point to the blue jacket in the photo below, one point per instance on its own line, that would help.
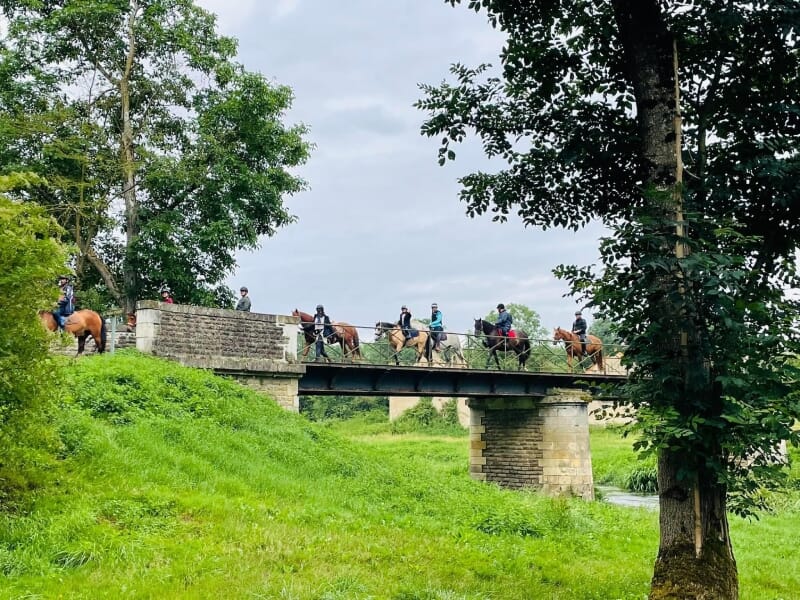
(436, 319)
(504, 322)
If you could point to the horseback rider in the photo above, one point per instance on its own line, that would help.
(504, 320)
(66, 301)
(579, 327)
(405, 322)
(436, 325)
(166, 295)
(322, 330)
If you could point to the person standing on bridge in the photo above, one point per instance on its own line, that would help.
(504, 320)
(436, 325)
(166, 295)
(322, 330)
(244, 301)
(579, 327)
(405, 321)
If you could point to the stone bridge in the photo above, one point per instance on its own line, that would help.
(526, 429)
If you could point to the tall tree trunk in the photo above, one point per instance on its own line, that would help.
(695, 557)
(130, 281)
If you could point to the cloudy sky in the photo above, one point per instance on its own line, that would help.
(381, 224)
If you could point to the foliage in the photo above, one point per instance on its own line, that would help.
(560, 114)
(165, 157)
(677, 127)
(425, 418)
(30, 261)
(194, 500)
(606, 331)
(322, 408)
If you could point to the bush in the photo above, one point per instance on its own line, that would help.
(322, 408)
(30, 260)
(424, 418)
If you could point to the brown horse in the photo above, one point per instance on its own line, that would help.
(344, 334)
(496, 342)
(574, 348)
(397, 341)
(81, 324)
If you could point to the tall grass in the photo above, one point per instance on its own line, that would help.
(172, 483)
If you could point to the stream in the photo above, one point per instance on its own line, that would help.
(615, 495)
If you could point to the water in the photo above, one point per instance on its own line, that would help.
(615, 495)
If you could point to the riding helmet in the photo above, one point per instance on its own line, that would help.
(404, 307)
(501, 305)
(577, 313)
(243, 289)
(320, 307)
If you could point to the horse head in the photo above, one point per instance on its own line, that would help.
(379, 330)
(478, 326)
(561, 335)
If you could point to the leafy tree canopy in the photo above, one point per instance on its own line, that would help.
(676, 125)
(162, 156)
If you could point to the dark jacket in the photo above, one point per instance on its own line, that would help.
(405, 320)
(579, 326)
(504, 322)
(66, 304)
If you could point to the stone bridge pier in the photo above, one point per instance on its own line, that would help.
(540, 443)
(258, 350)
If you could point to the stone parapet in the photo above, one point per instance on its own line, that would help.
(259, 350)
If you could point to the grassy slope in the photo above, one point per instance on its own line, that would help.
(176, 484)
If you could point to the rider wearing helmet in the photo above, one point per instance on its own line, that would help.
(166, 295)
(436, 325)
(579, 327)
(323, 331)
(244, 301)
(504, 320)
(66, 301)
(405, 321)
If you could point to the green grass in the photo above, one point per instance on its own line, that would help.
(172, 483)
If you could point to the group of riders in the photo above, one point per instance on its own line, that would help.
(323, 328)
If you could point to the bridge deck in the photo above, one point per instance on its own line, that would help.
(382, 380)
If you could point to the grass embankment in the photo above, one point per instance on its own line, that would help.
(172, 483)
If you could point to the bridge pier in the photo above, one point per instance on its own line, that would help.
(540, 443)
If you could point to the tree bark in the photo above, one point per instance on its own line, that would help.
(695, 557)
(130, 281)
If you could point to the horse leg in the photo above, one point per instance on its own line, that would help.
(81, 343)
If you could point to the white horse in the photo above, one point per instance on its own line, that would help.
(449, 348)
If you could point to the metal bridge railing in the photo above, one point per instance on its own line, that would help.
(460, 350)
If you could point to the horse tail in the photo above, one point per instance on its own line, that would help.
(600, 357)
(101, 345)
(526, 351)
(356, 344)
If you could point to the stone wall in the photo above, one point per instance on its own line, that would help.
(540, 443)
(259, 350)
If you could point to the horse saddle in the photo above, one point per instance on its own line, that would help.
(512, 334)
(412, 333)
(442, 336)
